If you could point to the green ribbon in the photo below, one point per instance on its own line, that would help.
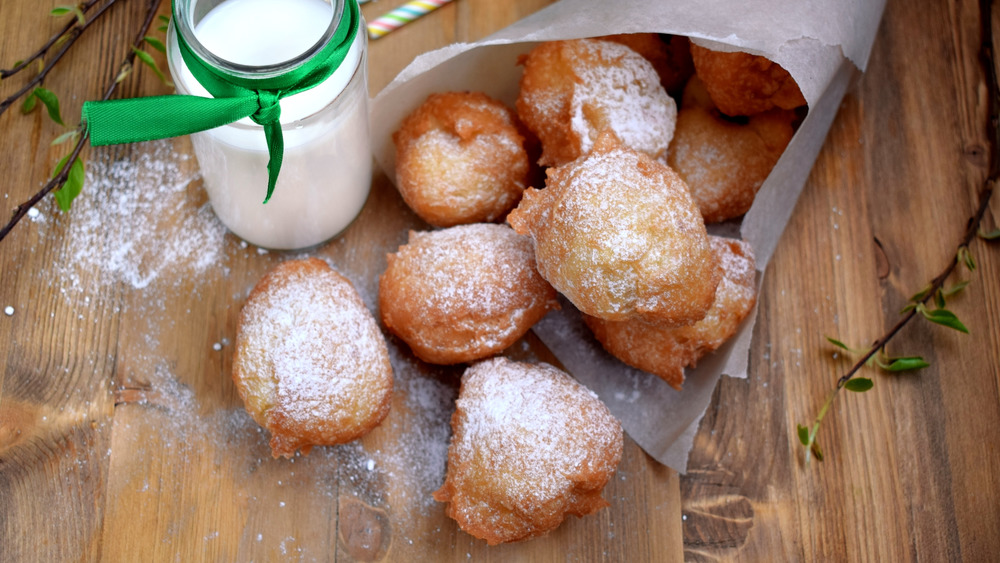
(235, 97)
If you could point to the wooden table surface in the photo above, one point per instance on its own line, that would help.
(122, 438)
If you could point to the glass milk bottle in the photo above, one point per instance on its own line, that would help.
(326, 171)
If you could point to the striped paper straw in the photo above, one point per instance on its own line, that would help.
(401, 16)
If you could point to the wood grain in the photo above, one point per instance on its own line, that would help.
(122, 438)
(908, 465)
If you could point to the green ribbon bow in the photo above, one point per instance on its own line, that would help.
(160, 117)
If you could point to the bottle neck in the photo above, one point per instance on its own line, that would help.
(257, 38)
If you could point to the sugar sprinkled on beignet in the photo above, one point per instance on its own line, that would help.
(311, 364)
(666, 351)
(460, 159)
(723, 162)
(618, 234)
(670, 55)
(529, 446)
(463, 293)
(572, 90)
(745, 84)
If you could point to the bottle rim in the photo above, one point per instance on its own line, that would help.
(184, 24)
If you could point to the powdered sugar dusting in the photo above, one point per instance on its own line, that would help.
(416, 458)
(526, 438)
(622, 93)
(478, 265)
(616, 232)
(512, 410)
(463, 293)
(135, 221)
(309, 332)
(485, 172)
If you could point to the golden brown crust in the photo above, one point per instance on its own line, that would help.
(745, 84)
(463, 293)
(724, 163)
(618, 234)
(529, 446)
(310, 363)
(460, 158)
(666, 351)
(572, 90)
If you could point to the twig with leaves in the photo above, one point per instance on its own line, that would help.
(936, 291)
(63, 40)
(56, 40)
(68, 176)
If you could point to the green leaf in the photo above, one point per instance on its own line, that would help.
(908, 308)
(75, 10)
(59, 166)
(29, 103)
(904, 364)
(803, 435)
(939, 299)
(72, 186)
(837, 343)
(859, 384)
(163, 18)
(921, 295)
(992, 235)
(60, 42)
(51, 102)
(953, 290)
(155, 43)
(946, 318)
(965, 257)
(69, 135)
(151, 63)
(124, 72)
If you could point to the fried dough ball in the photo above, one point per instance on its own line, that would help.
(745, 84)
(310, 364)
(463, 293)
(460, 159)
(618, 234)
(529, 445)
(670, 55)
(724, 163)
(666, 351)
(573, 90)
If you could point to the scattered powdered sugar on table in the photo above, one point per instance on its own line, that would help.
(415, 459)
(135, 220)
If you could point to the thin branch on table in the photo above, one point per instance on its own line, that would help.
(74, 31)
(5, 73)
(986, 59)
(59, 179)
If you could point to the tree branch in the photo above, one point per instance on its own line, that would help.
(59, 179)
(987, 61)
(75, 30)
(4, 73)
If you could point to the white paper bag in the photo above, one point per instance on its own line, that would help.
(822, 44)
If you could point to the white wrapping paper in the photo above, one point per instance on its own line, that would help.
(823, 44)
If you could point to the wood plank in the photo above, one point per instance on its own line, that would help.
(141, 316)
(907, 472)
(122, 438)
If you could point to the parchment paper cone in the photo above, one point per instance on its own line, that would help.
(823, 44)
